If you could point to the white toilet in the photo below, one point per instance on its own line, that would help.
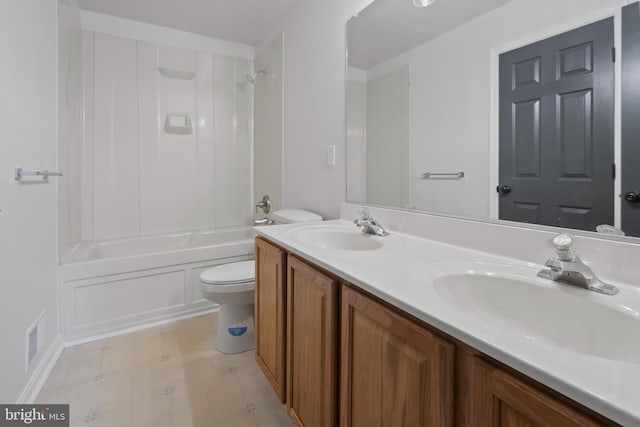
(232, 285)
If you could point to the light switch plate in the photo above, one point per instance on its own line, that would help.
(331, 155)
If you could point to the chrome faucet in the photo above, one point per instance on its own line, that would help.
(567, 267)
(368, 224)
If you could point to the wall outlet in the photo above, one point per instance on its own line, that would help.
(34, 339)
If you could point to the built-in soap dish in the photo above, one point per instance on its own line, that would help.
(171, 73)
(178, 123)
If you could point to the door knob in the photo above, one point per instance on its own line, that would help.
(632, 197)
(503, 189)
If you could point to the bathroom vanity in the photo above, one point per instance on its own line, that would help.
(350, 332)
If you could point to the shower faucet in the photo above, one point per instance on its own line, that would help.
(264, 204)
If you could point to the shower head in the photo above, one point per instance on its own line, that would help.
(252, 78)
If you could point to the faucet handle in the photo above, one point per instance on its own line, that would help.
(363, 214)
(264, 204)
(563, 245)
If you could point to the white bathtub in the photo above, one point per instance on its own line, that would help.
(111, 286)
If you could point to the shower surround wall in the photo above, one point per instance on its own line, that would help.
(70, 125)
(140, 180)
(267, 169)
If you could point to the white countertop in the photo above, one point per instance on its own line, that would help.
(402, 273)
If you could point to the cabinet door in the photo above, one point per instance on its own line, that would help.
(393, 371)
(270, 314)
(312, 345)
(500, 399)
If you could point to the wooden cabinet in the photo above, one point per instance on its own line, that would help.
(393, 371)
(312, 350)
(270, 306)
(499, 399)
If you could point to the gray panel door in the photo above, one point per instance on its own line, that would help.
(557, 130)
(631, 119)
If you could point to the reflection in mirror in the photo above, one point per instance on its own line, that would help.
(500, 109)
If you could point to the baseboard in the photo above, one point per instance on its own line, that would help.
(141, 326)
(42, 372)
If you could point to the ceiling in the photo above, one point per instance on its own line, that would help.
(387, 28)
(241, 21)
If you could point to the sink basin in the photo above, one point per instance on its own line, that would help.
(340, 238)
(548, 312)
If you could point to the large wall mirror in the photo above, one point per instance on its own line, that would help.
(515, 110)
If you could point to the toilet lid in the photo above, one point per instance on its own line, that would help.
(229, 274)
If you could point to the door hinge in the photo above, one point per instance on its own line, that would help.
(613, 54)
(613, 171)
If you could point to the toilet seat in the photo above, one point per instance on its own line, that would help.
(230, 274)
(229, 278)
(227, 288)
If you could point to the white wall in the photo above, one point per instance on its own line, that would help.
(28, 118)
(143, 179)
(314, 103)
(388, 139)
(356, 149)
(451, 100)
(267, 119)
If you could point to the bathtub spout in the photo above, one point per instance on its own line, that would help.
(263, 221)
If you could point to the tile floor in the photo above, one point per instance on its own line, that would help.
(168, 376)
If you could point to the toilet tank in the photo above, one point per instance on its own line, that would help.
(289, 216)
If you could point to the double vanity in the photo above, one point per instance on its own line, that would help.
(359, 329)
